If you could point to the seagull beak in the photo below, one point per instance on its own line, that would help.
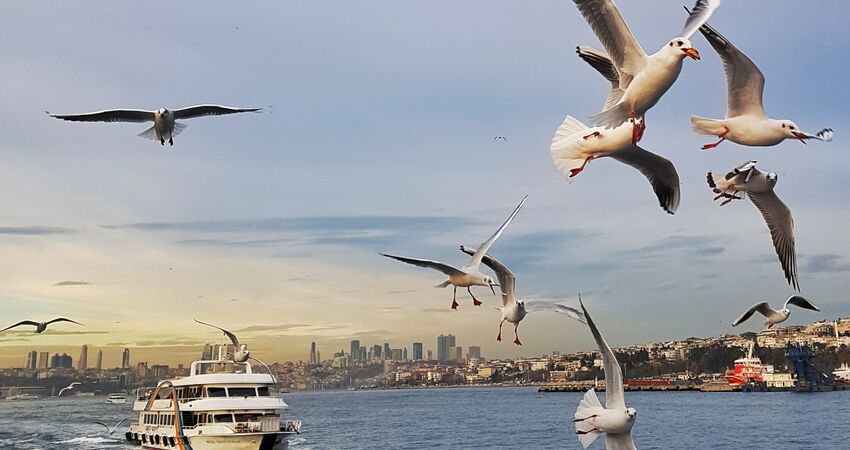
(801, 136)
(692, 53)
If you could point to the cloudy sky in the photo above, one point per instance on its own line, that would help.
(380, 138)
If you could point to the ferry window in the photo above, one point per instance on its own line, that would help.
(241, 392)
(244, 417)
(263, 391)
(216, 392)
(222, 418)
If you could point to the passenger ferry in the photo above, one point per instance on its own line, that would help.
(221, 405)
(116, 398)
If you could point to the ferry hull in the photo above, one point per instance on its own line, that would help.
(253, 441)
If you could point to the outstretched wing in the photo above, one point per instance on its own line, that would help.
(600, 61)
(23, 322)
(209, 110)
(543, 305)
(230, 335)
(108, 430)
(614, 398)
(110, 115)
(797, 300)
(606, 22)
(427, 263)
(61, 319)
(781, 225)
(475, 260)
(659, 171)
(702, 11)
(507, 280)
(763, 308)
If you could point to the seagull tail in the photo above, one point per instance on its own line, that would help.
(150, 133)
(587, 408)
(612, 117)
(704, 125)
(564, 152)
(443, 284)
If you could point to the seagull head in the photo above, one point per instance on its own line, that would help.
(491, 283)
(162, 111)
(682, 46)
(792, 131)
(631, 413)
(772, 178)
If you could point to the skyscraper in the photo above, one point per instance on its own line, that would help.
(99, 361)
(474, 352)
(313, 358)
(363, 352)
(354, 353)
(404, 354)
(207, 353)
(417, 351)
(387, 350)
(429, 355)
(32, 360)
(44, 360)
(455, 354)
(376, 351)
(443, 345)
(83, 362)
(125, 359)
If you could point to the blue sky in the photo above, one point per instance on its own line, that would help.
(380, 138)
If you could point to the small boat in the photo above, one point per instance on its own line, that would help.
(747, 370)
(842, 373)
(116, 398)
(22, 397)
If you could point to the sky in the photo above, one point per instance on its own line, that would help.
(378, 137)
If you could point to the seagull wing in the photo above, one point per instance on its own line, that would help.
(619, 441)
(699, 15)
(475, 260)
(23, 322)
(744, 80)
(658, 170)
(543, 305)
(600, 61)
(763, 308)
(781, 225)
(108, 430)
(110, 115)
(507, 280)
(606, 22)
(61, 319)
(230, 335)
(614, 398)
(209, 110)
(797, 300)
(427, 263)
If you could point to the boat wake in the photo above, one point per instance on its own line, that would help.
(91, 440)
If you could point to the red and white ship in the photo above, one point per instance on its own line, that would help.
(747, 369)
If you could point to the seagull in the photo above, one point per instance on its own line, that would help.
(773, 316)
(500, 138)
(614, 419)
(469, 275)
(240, 351)
(575, 144)
(745, 122)
(110, 430)
(643, 78)
(164, 125)
(68, 388)
(514, 310)
(759, 186)
(39, 326)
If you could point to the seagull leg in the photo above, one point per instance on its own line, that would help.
(161, 141)
(475, 301)
(642, 128)
(171, 140)
(722, 137)
(454, 299)
(576, 171)
(636, 129)
(516, 341)
(582, 420)
(594, 134)
(499, 337)
(586, 432)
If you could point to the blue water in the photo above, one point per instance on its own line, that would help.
(481, 418)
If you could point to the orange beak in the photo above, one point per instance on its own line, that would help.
(801, 136)
(692, 52)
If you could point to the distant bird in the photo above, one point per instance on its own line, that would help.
(614, 419)
(164, 125)
(745, 122)
(759, 186)
(240, 351)
(514, 310)
(470, 275)
(644, 79)
(39, 326)
(111, 430)
(500, 138)
(575, 145)
(773, 316)
(68, 388)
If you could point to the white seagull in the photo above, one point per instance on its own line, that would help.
(514, 310)
(39, 326)
(643, 78)
(614, 419)
(745, 122)
(575, 145)
(164, 126)
(469, 275)
(111, 430)
(759, 187)
(240, 351)
(68, 388)
(773, 316)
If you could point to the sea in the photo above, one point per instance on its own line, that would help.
(465, 418)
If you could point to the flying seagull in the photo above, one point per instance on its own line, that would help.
(68, 388)
(643, 78)
(497, 138)
(39, 326)
(773, 316)
(111, 430)
(469, 275)
(240, 351)
(514, 310)
(745, 122)
(164, 126)
(575, 145)
(746, 179)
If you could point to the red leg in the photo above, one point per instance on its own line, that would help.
(516, 341)
(722, 137)
(642, 128)
(636, 131)
(454, 300)
(475, 301)
(576, 171)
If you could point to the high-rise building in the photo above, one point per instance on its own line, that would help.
(44, 360)
(99, 361)
(142, 369)
(83, 362)
(474, 352)
(395, 354)
(455, 354)
(313, 358)
(362, 354)
(32, 359)
(125, 359)
(443, 345)
(61, 361)
(404, 353)
(207, 353)
(354, 353)
(387, 350)
(417, 351)
(429, 355)
(376, 351)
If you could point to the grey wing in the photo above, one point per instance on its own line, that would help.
(111, 115)
(209, 110)
(61, 319)
(797, 300)
(781, 225)
(614, 398)
(23, 322)
(108, 430)
(507, 280)
(475, 260)
(763, 308)
(659, 171)
(600, 61)
(699, 15)
(427, 263)
(744, 80)
(230, 335)
(542, 305)
(620, 441)
(119, 424)
(607, 23)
